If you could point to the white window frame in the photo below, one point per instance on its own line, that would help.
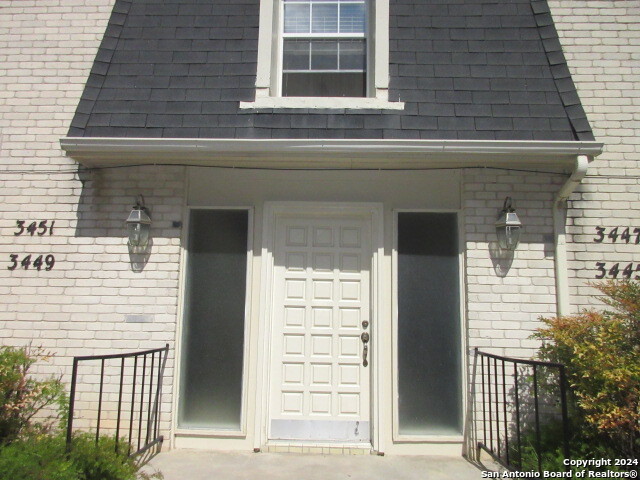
(269, 69)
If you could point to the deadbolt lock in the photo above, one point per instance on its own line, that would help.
(365, 323)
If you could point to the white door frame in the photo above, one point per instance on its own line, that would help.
(372, 211)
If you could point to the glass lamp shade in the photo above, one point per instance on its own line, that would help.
(138, 226)
(508, 228)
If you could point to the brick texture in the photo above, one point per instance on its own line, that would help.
(47, 48)
(601, 41)
(506, 294)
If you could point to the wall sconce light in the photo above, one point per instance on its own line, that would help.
(508, 227)
(138, 225)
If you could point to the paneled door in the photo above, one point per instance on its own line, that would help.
(320, 361)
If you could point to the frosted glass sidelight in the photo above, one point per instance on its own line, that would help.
(429, 338)
(213, 330)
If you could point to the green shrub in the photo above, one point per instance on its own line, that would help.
(41, 458)
(45, 457)
(23, 397)
(552, 449)
(101, 462)
(601, 351)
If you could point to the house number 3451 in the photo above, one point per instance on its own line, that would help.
(34, 227)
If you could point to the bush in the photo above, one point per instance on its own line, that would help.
(45, 457)
(101, 461)
(22, 397)
(41, 458)
(601, 351)
(552, 452)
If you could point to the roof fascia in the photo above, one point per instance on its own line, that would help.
(340, 153)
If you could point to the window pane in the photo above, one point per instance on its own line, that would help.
(296, 18)
(429, 338)
(324, 55)
(296, 55)
(331, 84)
(213, 336)
(352, 55)
(352, 18)
(324, 18)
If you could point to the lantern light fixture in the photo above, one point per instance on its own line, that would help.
(138, 225)
(508, 227)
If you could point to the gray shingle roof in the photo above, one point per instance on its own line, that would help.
(466, 69)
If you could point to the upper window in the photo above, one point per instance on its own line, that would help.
(323, 54)
(324, 48)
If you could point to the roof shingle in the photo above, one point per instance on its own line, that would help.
(476, 69)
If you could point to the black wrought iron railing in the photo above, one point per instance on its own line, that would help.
(517, 403)
(119, 395)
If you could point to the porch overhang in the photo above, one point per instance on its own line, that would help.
(327, 154)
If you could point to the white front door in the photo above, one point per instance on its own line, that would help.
(319, 379)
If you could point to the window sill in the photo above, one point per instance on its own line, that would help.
(322, 102)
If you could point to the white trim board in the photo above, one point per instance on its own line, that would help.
(342, 154)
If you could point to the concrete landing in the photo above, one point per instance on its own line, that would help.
(199, 465)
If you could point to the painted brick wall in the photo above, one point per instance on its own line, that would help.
(506, 294)
(601, 41)
(79, 307)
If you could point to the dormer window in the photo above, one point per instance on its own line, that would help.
(324, 48)
(319, 54)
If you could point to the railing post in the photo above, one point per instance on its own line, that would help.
(565, 414)
(133, 399)
(490, 406)
(518, 433)
(537, 417)
(484, 409)
(495, 380)
(100, 400)
(153, 359)
(504, 411)
(144, 371)
(119, 403)
(72, 398)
